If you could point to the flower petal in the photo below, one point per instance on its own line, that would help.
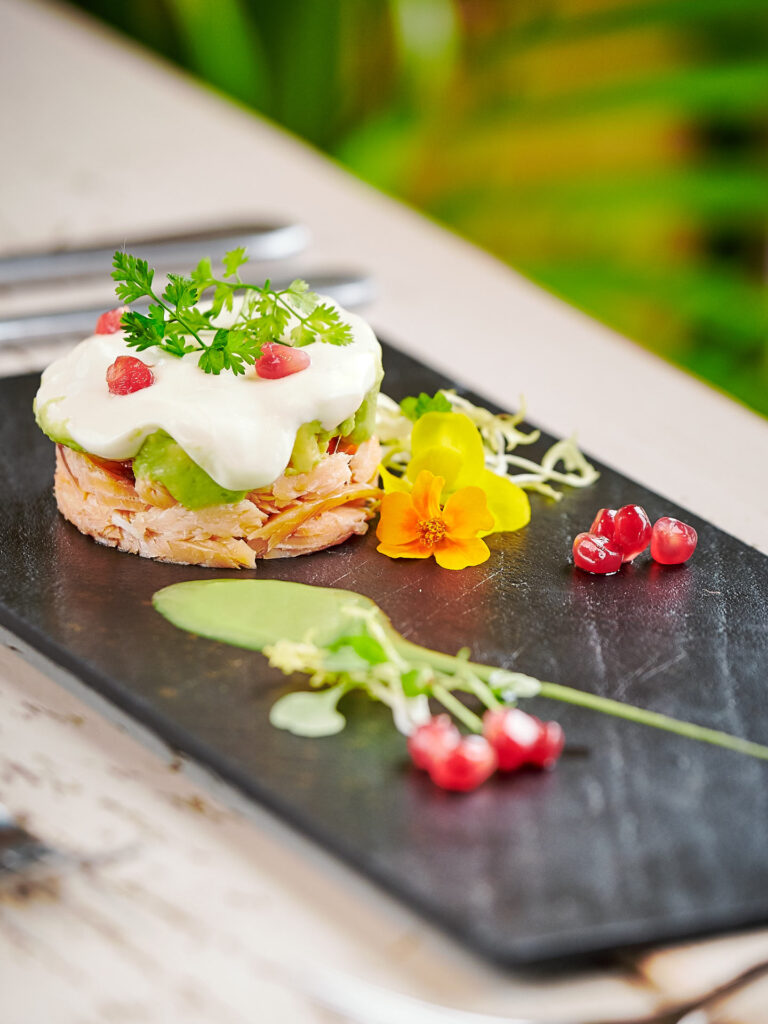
(414, 549)
(466, 513)
(507, 502)
(443, 462)
(398, 521)
(426, 495)
(391, 483)
(459, 458)
(458, 554)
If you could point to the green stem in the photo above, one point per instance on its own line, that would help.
(606, 706)
(436, 659)
(454, 705)
(173, 315)
(483, 692)
(240, 284)
(446, 663)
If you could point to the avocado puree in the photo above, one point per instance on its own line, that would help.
(312, 441)
(48, 425)
(161, 459)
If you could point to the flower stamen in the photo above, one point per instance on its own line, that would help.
(431, 531)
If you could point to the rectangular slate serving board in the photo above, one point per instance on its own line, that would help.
(638, 836)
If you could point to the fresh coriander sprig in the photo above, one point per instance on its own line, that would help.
(175, 323)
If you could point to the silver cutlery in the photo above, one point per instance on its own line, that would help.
(349, 288)
(263, 241)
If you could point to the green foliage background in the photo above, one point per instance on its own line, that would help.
(612, 150)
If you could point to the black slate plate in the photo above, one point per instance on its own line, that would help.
(637, 837)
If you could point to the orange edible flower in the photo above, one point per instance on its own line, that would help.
(415, 525)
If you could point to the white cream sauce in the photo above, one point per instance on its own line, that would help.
(240, 430)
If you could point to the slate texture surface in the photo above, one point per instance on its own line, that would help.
(638, 836)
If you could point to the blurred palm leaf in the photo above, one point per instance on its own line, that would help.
(222, 45)
(614, 150)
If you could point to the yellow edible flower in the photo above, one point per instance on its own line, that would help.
(416, 525)
(448, 445)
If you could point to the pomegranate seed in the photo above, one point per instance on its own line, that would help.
(280, 361)
(109, 323)
(603, 524)
(513, 734)
(549, 746)
(631, 531)
(595, 554)
(465, 766)
(128, 374)
(432, 739)
(672, 541)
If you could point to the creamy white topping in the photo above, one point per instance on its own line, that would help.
(240, 430)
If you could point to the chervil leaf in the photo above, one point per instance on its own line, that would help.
(157, 314)
(328, 326)
(302, 335)
(180, 291)
(212, 360)
(197, 320)
(267, 318)
(300, 297)
(243, 343)
(133, 275)
(233, 260)
(176, 345)
(202, 275)
(222, 297)
(142, 331)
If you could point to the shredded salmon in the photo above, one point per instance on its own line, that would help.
(299, 514)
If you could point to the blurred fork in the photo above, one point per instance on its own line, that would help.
(263, 241)
(348, 288)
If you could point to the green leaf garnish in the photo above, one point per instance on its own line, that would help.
(233, 260)
(325, 633)
(364, 646)
(176, 324)
(414, 408)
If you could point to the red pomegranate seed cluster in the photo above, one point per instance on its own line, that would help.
(618, 536)
(278, 361)
(128, 374)
(511, 740)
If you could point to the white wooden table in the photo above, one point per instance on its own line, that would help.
(179, 928)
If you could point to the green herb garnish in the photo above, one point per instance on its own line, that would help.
(175, 323)
(414, 408)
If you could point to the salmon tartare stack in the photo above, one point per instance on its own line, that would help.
(158, 455)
